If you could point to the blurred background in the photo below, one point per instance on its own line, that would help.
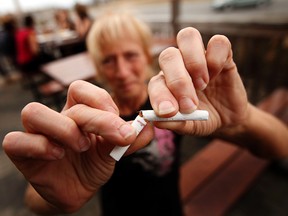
(257, 29)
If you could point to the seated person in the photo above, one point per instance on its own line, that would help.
(63, 20)
(27, 47)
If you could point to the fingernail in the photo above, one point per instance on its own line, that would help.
(58, 152)
(126, 131)
(84, 144)
(200, 84)
(166, 107)
(187, 105)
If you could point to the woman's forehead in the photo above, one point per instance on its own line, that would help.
(122, 45)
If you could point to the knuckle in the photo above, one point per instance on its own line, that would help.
(30, 110)
(194, 65)
(215, 65)
(188, 33)
(104, 93)
(220, 41)
(220, 38)
(158, 77)
(75, 86)
(168, 55)
(8, 139)
(179, 83)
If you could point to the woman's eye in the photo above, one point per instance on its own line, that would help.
(131, 56)
(108, 61)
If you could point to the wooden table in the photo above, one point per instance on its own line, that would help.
(71, 68)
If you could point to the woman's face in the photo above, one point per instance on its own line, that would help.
(124, 69)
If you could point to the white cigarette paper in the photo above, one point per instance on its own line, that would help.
(149, 115)
(118, 151)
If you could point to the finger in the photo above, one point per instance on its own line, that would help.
(192, 49)
(105, 124)
(20, 145)
(219, 55)
(38, 118)
(162, 100)
(177, 80)
(81, 92)
(142, 140)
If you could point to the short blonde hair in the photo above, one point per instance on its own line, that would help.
(112, 27)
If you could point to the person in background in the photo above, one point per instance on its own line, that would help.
(83, 21)
(63, 20)
(120, 46)
(65, 156)
(27, 47)
(7, 45)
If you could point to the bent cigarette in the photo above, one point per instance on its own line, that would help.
(118, 151)
(149, 115)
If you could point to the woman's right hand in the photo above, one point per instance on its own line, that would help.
(65, 156)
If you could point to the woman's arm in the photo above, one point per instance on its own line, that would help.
(34, 47)
(262, 133)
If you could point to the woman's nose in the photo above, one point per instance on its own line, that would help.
(122, 67)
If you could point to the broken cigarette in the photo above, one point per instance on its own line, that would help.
(149, 115)
(118, 151)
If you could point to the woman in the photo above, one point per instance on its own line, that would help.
(63, 20)
(7, 45)
(65, 156)
(83, 21)
(120, 47)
